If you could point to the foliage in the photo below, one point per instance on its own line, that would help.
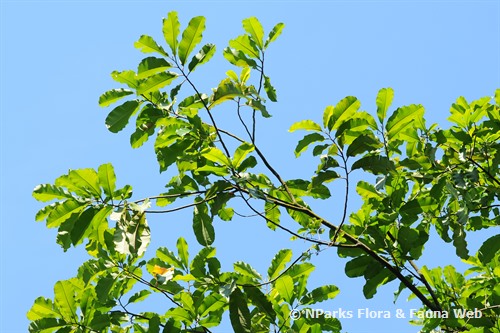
(425, 177)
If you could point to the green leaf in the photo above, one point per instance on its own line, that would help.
(107, 179)
(300, 270)
(80, 228)
(118, 118)
(241, 152)
(202, 224)
(64, 298)
(274, 33)
(253, 27)
(111, 96)
(246, 270)
(48, 192)
(489, 249)
(384, 100)
(260, 300)
(367, 191)
(497, 97)
(210, 304)
(364, 143)
(132, 234)
(217, 156)
(270, 91)
(171, 29)
(226, 90)
(333, 117)
(152, 65)
(357, 266)
(306, 141)
(169, 257)
(374, 164)
(307, 125)
(126, 77)
(273, 214)
(246, 45)
(87, 180)
(63, 212)
(402, 118)
(48, 325)
(239, 313)
(371, 285)
(43, 308)
(147, 44)
(180, 314)
(238, 58)
(191, 37)
(284, 286)
(155, 82)
(203, 56)
(139, 296)
(320, 294)
(278, 263)
(182, 249)
(258, 106)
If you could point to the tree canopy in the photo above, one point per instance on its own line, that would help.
(417, 177)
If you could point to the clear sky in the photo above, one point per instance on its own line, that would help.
(56, 57)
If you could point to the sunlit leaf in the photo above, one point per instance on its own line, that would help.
(204, 55)
(320, 294)
(126, 77)
(47, 325)
(279, 262)
(202, 224)
(246, 270)
(63, 212)
(284, 286)
(43, 308)
(171, 29)
(274, 33)
(182, 248)
(191, 37)
(86, 179)
(270, 90)
(210, 304)
(402, 118)
(238, 58)
(48, 192)
(384, 100)
(335, 116)
(217, 156)
(64, 297)
(139, 296)
(241, 152)
(107, 179)
(152, 65)
(307, 125)
(111, 96)
(246, 45)
(303, 144)
(148, 45)
(253, 27)
(155, 82)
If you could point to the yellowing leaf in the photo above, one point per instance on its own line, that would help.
(167, 273)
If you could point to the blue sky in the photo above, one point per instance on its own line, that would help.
(56, 57)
